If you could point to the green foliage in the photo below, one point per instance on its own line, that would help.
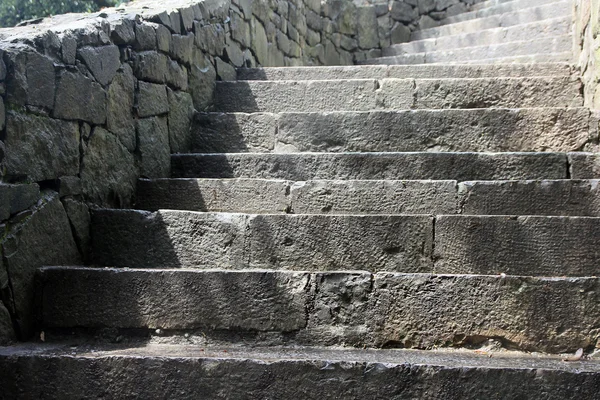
(14, 11)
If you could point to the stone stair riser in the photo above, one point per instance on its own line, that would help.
(396, 94)
(379, 166)
(564, 57)
(546, 197)
(526, 245)
(507, 7)
(352, 308)
(417, 130)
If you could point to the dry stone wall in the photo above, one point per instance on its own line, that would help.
(91, 102)
(587, 44)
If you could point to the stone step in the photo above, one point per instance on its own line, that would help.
(524, 16)
(554, 44)
(492, 3)
(564, 57)
(514, 245)
(404, 71)
(355, 308)
(494, 130)
(185, 371)
(396, 94)
(507, 7)
(381, 166)
(547, 28)
(543, 197)
(184, 239)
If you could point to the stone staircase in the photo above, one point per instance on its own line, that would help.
(506, 32)
(376, 231)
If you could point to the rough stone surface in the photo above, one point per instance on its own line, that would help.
(547, 197)
(257, 301)
(234, 241)
(239, 195)
(17, 198)
(79, 217)
(517, 245)
(153, 142)
(31, 78)
(548, 314)
(102, 61)
(307, 166)
(120, 103)
(80, 98)
(584, 165)
(40, 148)
(202, 83)
(282, 373)
(151, 99)
(234, 133)
(7, 333)
(447, 130)
(108, 171)
(181, 112)
(43, 238)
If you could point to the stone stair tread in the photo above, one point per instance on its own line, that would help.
(480, 244)
(396, 94)
(547, 28)
(285, 372)
(551, 44)
(524, 16)
(491, 3)
(498, 129)
(503, 8)
(461, 166)
(536, 197)
(404, 71)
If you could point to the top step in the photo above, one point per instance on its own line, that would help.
(524, 16)
(495, 9)
(405, 71)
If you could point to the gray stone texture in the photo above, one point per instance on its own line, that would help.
(234, 133)
(202, 78)
(151, 99)
(516, 245)
(154, 370)
(181, 114)
(108, 170)
(120, 103)
(79, 98)
(407, 166)
(225, 300)
(238, 195)
(540, 314)
(31, 80)
(46, 229)
(397, 94)
(584, 165)
(40, 148)
(17, 198)
(546, 197)
(7, 332)
(153, 147)
(79, 218)
(103, 61)
(235, 241)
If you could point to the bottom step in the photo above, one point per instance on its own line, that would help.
(154, 371)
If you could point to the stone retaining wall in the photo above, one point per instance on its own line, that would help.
(587, 45)
(90, 103)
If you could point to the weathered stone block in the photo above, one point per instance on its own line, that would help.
(181, 47)
(102, 61)
(233, 133)
(108, 170)
(32, 78)
(7, 332)
(145, 36)
(153, 147)
(79, 217)
(423, 311)
(80, 98)
(202, 80)
(44, 238)
(17, 198)
(144, 299)
(40, 148)
(368, 28)
(181, 113)
(524, 245)
(120, 103)
(225, 71)
(151, 99)
(211, 38)
(151, 66)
